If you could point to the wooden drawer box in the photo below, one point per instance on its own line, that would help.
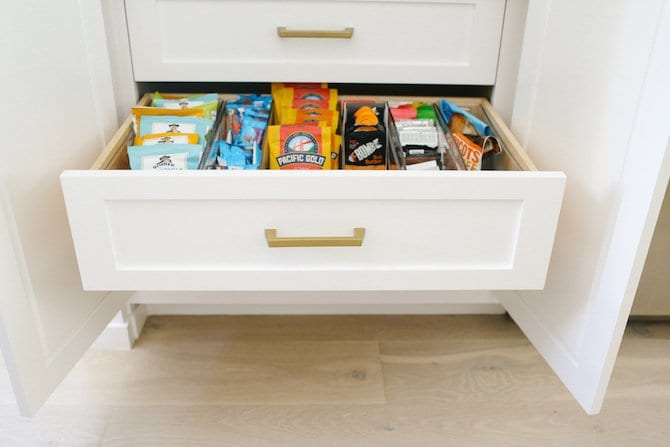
(396, 41)
(206, 230)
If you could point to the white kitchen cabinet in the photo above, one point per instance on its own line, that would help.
(584, 104)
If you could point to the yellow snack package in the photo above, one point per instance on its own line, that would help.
(276, 86)
(294, 116)
(167, 138)
(155, 111)
(301, 94)
(335, 151)
(289, 94)
(305, 104)
(300, 146)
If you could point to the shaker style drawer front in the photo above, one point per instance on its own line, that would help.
(314, 230)
(398, 41)
(208, 231)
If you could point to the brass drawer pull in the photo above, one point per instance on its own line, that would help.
(315, 241)
(284, 33)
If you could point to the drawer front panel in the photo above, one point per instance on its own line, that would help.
(433, 41)
(205, 230)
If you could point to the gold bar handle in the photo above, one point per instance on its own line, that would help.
(345, 33)
(315, 241)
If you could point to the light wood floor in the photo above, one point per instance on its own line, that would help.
(343, 381)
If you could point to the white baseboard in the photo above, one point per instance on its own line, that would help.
(127, 326)
(323, 309)
(122, 332)
(303, 303)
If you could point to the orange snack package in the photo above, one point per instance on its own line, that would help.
(472, 153)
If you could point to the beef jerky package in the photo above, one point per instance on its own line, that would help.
(365, 141)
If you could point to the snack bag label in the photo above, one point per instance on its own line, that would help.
(176, 139)
(300, 150)
(165, 162)
(184, 104)
(471, 152)
(174, 127)
(300, 146)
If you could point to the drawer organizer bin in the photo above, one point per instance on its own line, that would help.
(319, 230)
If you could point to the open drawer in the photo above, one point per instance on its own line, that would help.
(212, 230)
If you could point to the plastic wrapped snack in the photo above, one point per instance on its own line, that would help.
(448, 109)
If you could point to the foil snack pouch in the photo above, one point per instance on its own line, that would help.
(300, 146)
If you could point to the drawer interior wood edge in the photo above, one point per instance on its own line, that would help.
(115, 155)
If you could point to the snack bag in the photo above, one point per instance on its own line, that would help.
(246, 107)
(163, 138)
(335, 151)
(186, 102)
(207, 103)
(174, 124)
(165, 156)
(300, 146)
(140, 111)
(306, 104)
(365, 138)
(290, 94)
(295, 116)
(233, 157)
(472, 153)
(448, 109)
(277, 86)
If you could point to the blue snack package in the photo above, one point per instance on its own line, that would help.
(208, 103)
(256, 101)
(231, 157)
(252, 131)
(150, 124)
(165, 157)
(210, 161)
(448, 109)
(235, 157)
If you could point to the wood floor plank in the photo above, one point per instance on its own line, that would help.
(220, 372)
(54, 426)
(344, 381)
(463, 372)
(423, 423)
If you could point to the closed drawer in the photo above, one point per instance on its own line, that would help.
(206, 230)
(399, 41)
